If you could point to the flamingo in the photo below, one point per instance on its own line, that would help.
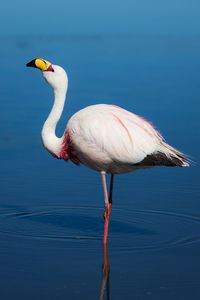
(105, 138)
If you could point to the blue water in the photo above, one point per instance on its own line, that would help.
(51, 222)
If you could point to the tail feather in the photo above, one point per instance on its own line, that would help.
(165, 156)
(175, 157)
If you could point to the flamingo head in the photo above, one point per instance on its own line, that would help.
(55, 76)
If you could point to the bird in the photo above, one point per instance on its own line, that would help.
(104, 137)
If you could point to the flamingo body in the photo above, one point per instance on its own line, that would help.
(110, 139)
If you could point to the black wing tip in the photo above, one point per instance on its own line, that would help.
(161, 159)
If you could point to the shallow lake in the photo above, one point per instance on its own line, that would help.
(51, 222)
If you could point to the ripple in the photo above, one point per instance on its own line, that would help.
(130, 230)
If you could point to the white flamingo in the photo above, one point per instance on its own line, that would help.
(105, 138)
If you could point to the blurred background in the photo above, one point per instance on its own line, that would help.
(92, 17)
(144, 57)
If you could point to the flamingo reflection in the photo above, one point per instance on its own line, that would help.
(105, 274)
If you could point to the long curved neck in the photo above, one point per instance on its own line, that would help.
(50, 141)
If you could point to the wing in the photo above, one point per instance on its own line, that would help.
(111, 133)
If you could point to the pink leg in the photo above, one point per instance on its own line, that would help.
(103, 177)
(107, 211)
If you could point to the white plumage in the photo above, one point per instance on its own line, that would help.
(111, 139)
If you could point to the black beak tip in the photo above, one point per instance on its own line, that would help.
(31, 63)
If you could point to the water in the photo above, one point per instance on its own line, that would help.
(51, 221)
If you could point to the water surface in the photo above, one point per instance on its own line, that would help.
(51, 221)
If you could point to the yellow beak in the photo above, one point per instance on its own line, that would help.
(41, 64)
